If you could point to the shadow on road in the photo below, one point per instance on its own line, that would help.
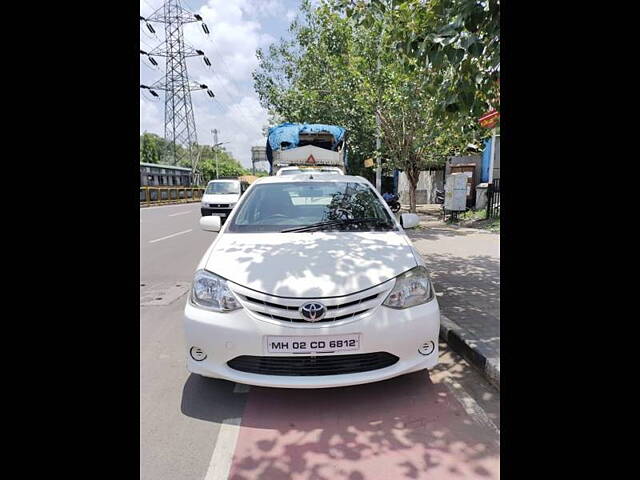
(404, 428)
(470, 295)
(210, 399)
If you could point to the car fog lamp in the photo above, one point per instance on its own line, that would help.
(197, 354)
(427, 348)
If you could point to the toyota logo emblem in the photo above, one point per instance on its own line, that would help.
(312, 312)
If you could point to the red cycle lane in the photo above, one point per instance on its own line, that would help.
(403, 428)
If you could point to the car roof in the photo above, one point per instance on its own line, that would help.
(306, 177)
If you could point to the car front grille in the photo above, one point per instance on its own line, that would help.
(287, 309)
(219, 205)
(305, 366)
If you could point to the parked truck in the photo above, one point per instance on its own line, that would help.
(296, 147)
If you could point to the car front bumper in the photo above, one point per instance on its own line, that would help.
(225, 336)
(220, 212)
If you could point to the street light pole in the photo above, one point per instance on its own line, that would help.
(215, 144)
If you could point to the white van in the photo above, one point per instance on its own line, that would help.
(221, 196)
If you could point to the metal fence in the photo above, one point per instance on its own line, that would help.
(493, 199)
(165, 195)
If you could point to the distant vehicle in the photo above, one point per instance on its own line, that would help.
(311, 282)
(221, 196)
(320, 170)
(394, 202)
(310, 145)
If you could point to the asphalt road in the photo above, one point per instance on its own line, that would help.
(436, 425)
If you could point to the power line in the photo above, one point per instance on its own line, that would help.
(155, 69)
(146, 44)
(153, 9)
(155, 37)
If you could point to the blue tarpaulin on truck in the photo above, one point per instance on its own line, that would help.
(287, 135)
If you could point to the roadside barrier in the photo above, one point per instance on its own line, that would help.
(166, 195)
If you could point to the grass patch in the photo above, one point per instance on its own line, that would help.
(473, 216)
(478, 219)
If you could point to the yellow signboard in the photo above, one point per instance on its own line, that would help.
(368, 162)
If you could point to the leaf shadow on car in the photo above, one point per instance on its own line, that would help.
(324, 258)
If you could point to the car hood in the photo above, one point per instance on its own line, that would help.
(310, 264)
(220, 198)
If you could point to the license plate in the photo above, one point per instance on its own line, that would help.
(313, 343)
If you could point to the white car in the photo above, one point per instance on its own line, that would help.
(311, 283)
(221, 196)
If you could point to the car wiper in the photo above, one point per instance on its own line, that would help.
(336, 223)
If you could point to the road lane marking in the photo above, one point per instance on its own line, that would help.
(179, 213)
(142, 209)
(171, 236)
(470, 406)
(241, 388)
(220, 463)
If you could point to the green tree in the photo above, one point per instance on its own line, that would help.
(459, 37)
(227, 165)
(345, 70)
(155, 149)
(321, 75)
(150, 148)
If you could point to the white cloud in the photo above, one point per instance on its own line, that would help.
(237, 31)
(151, 115)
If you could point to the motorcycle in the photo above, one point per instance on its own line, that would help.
(394, 203)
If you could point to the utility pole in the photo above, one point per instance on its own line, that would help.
(179, 121)
(215, 145)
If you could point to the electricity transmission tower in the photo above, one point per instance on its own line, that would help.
(179, 121)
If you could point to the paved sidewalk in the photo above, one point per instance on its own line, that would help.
(465, 268)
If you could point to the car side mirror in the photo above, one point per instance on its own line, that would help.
(210, 223)
(409, 220)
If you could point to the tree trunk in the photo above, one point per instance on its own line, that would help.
(413, 175)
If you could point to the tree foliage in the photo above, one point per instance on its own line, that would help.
(227, 165)
(153, 149)
(322, 75)
(460, 38)
(425, 68)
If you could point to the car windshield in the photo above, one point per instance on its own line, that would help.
(223, 188)
(274, 207)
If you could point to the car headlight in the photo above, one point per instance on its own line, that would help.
(211, 292)
(412, 288)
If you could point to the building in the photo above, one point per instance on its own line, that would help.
(156, 175)
(428, 182)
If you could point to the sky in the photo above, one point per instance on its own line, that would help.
(237, 29)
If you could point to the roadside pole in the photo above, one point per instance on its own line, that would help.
(215, 143)
(378, 126)
(492, 155)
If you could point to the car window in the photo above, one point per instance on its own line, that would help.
(223, 188)
(273, 207)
